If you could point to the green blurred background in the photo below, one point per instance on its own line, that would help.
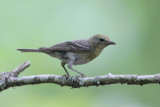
(133, 24)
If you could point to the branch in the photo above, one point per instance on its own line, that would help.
(11, 79)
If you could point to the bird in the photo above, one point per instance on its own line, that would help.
(76, 52)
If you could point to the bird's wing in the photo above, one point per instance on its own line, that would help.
(72, 46)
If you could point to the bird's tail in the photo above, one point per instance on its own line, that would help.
(30, 50)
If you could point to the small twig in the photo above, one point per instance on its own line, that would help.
(10, 79)
(21, 68)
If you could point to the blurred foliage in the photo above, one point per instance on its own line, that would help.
(133, 24)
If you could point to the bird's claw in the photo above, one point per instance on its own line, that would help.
(65, 75)
(83, 75)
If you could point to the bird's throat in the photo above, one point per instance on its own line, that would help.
(95, 53)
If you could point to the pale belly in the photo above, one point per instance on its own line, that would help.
(80, 58)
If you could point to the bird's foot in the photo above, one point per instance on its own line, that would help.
(82, 75)
(67, 76)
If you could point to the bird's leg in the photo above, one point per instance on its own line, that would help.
(70, 67)
(63, 65)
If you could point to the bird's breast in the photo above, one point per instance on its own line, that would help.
(83, 58)
(95, 53)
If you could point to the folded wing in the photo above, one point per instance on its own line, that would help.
(72, 46)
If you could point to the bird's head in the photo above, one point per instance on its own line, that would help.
(100, 41)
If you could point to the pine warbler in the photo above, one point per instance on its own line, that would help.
(76, 52)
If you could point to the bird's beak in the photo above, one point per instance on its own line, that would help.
(111, 43)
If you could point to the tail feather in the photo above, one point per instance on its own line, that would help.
(29, 50)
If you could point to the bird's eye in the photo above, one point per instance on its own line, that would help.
(101, 40)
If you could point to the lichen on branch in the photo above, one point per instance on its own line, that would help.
(11, 79)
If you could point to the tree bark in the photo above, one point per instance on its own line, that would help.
(11, 79)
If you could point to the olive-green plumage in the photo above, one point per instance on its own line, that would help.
(76, 52)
